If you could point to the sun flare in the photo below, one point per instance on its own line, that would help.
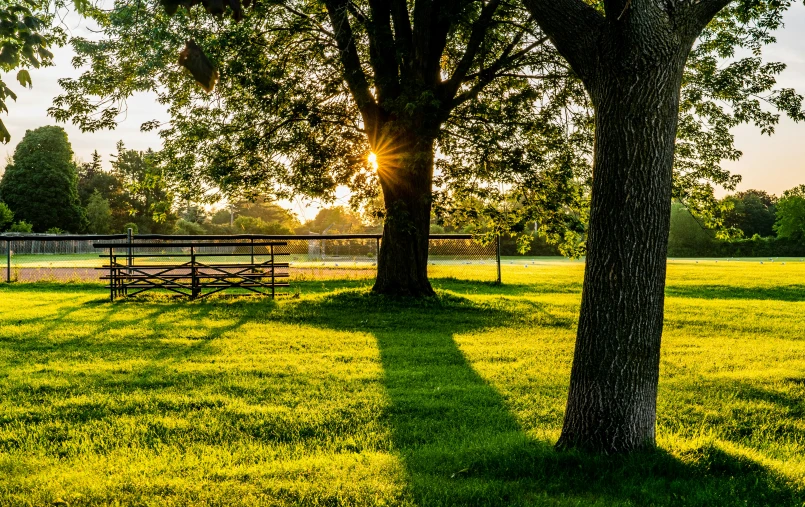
(373, 160)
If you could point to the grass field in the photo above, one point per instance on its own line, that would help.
(339, 397)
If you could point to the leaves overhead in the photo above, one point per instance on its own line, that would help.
(515, 143)
(26, 36)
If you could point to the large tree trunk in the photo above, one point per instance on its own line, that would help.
(406, 177)
(613, 386)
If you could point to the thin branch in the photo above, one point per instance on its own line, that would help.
(477, 36)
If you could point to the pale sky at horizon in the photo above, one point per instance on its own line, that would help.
(773, 163)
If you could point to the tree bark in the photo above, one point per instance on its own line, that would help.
(613, 386)
(406, 179)
(631, 60)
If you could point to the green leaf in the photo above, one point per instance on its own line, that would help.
(24, 78)
(5, 136)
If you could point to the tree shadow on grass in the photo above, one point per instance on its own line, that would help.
(66, 356)
(781, 293)
(461, 445)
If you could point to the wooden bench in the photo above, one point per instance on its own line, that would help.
(194, 278)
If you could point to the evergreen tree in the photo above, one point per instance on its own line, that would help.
(40, 185)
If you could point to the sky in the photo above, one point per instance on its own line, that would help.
(773, 163)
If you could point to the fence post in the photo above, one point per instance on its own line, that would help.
(498, 257)
(8, 261)
(129, 263)
(128, 257)
(113, 275)
(193, 274)
(273, 281)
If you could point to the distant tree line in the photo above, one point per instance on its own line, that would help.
(758, 224)
(44, 190)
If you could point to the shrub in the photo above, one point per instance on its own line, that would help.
(6, 216)
(21, 226)
(187, 228)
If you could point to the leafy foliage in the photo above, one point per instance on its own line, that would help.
(99, 214)
(791, 214)
(252, 225)
(41, 183)
(6, 216)
(688, 237)
(188, 228)
(26, 34)
(147, 196)
(335, 220)
(722, 88)
(514, 149)
(752, 212)
(22, 226)
(285, 120)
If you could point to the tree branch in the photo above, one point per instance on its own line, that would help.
(432, 21)
(477, 35)
(348, 53)
(573, 27)
(700, 13)
(402, 32)
(382, 50)
(616, 9)
(489, 74)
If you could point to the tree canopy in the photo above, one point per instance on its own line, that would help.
(27, 31)
(752, 212)
(516, 140)
(306, 93)
(6, 216)
(99, 214)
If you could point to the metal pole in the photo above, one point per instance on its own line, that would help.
(129, 259)
(272, 272)
(193, 274)
(8, 261)
(112, 275)
(498, 257)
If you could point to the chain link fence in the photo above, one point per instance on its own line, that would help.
(73, 258)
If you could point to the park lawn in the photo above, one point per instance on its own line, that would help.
(339, 397)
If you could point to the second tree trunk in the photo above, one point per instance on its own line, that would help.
(613, 387)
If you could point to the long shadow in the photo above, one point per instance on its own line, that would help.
(751, 415)
(461, 445)
(454, 432)
(108, 340)
(782, 293)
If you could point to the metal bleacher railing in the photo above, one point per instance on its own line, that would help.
(72, 258)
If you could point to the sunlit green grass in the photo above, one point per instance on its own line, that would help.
(339, 397)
